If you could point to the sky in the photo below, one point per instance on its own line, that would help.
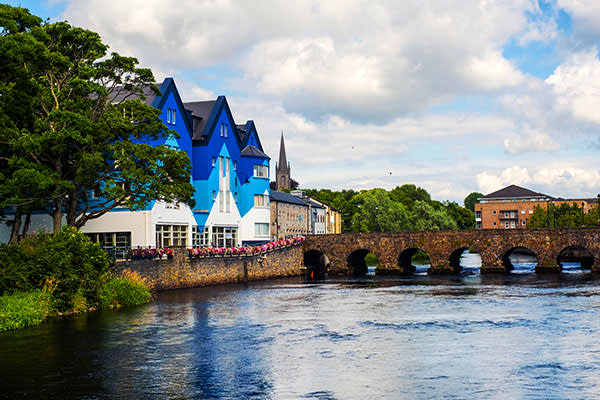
(454, 96)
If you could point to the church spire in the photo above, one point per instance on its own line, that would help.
(283, 164)
(282, 170)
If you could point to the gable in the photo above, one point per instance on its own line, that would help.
(169, 91)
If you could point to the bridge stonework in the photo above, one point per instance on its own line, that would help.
(492, 245)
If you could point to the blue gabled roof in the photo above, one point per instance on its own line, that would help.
(209, 112)
(166, 88)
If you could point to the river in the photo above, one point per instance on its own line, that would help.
(520, 336)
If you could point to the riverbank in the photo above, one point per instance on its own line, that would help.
(45, 275)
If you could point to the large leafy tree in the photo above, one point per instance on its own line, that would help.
(86, 132)
(471, 200)
(378, 213)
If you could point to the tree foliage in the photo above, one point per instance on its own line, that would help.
(563, 216)
(471, 200)
(82, 141)
(404, 208)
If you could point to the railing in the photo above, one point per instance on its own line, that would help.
(151, 253)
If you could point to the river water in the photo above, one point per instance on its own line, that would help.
(521, 336)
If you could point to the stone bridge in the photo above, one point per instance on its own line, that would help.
(345, 252)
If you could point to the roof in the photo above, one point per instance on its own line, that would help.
(283, 164)
(314, 204)
(283, 197)
(201, 110)
(253, 151)
(241, 129)
(120, 94)
(514, 191)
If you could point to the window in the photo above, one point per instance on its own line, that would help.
(199, 238)
(225, 130)
(523, 222)
(114, 243)
(477, 214)
(171, 235)
(261, 171)
(224, 236)
(173, 113)
(213, 162)
(522, 211)
(214, 195)
(261, 229)
(494, 212)
(506, 224)
(261, 200)
(111, 239)
(227, 194)
(235, 165)
(168, 115)
(494, 223)
(530, 211)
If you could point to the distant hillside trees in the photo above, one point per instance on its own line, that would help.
(404, 208)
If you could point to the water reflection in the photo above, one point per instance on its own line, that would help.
(468, 336)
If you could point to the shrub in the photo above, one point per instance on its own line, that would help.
(69, 258)
(23, 309)
(125, 291)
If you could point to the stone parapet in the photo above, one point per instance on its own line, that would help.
(181, 271)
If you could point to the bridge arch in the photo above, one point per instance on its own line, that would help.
(455, 258)
(356, 261)
(405, 258)
(519, 256)
(575, 254)
(316, 263)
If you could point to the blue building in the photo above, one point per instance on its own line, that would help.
(230, 174)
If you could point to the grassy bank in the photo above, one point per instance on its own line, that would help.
(47, 275)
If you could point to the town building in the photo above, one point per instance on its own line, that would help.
(230, 175)
(290, 216)
(512, 207)
(333, 218)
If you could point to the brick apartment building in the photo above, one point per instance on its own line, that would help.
(513, 206)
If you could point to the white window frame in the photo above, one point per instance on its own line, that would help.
(261, 171)
(261, 229)
(261, 201)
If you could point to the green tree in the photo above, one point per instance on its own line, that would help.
(408, 194)
(427, 218)
(471, 200)
(92, 139)
(378, 213)
(464, 218)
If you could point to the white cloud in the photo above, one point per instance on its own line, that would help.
(556, 180)
(362, 61)
(530, 140)
(576, 84)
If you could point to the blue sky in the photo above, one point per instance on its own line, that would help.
(454, 96)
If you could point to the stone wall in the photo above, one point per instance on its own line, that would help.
(441, 246)
(181, 271)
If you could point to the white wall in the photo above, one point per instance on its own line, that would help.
(163, 215)
(231, 219)
(256, 214)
